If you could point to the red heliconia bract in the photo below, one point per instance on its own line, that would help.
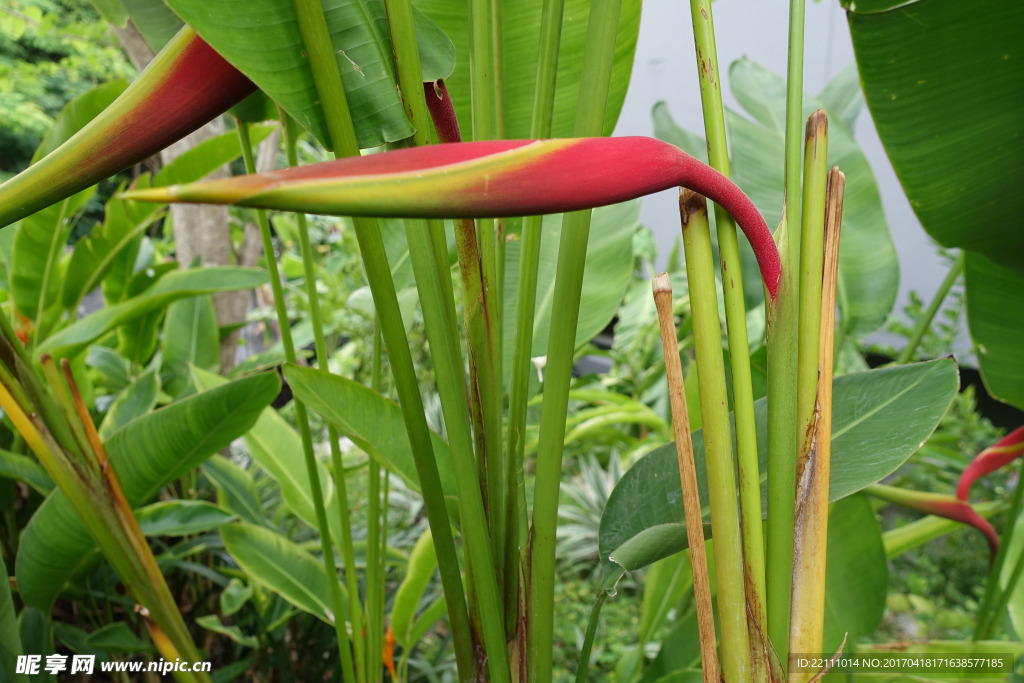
(1001, 453)
(183, 88)
(490, 179)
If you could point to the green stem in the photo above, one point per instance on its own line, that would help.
(301, 416)
(925, 321)
(782, 360)
(920, 531)
(375, 570)
(598, 54)
(992, 584)
(316, 39)
(320, 345)
(588, 639)
(526, 302)
(736, 320)
(482, 94)
(794, 122)
(725, 521)
(1004, 597)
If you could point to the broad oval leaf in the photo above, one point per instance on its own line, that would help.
(276, 563)
(880, 418)
(147, 454)
(957, 161)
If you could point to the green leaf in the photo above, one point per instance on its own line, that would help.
(950, 119)
(856, 572)
(879, 419)
(75, 337)
(995, 302)
(113, 11)
(181, 517)
(135, 400)
(373, 422)
(436, 51)
(236, 490)
(190, 339)
(206, 157)
(35, 257)
(25, 469)
(211, 622)
(277, 448)
(280, 67)
(422, 565)
(147, 454)
(156, 22)
(116, 637)
(520, 45)
(10, 639)
(868, 267)
(606, 276)
(234, 596)
(95, 255)
(279, 565)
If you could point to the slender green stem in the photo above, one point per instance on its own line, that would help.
(925, 321)
(736, 321)
(782, 360)
(920, 531)
(317, 42)
(482, 95)
(794, 122)
(526, 302)
(598, 54)
(588, 639)
(376, 568)
(1004, 598)
(993, 582)
(301, 416)
(725, 519)
(320, 345)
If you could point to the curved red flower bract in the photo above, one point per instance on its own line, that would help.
(490, 179)
(1001, 453)
(185, 86)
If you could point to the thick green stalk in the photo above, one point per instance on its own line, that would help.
(315, 38)
(714, 405)
(442, 337)
(986, 615)
(736, 323)
(454, 405)
(526, 302)
(811, 260)
(783, 314)
(320, 345)
(302, 418)
(598, 54)
(482, 94)
(925, 321)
